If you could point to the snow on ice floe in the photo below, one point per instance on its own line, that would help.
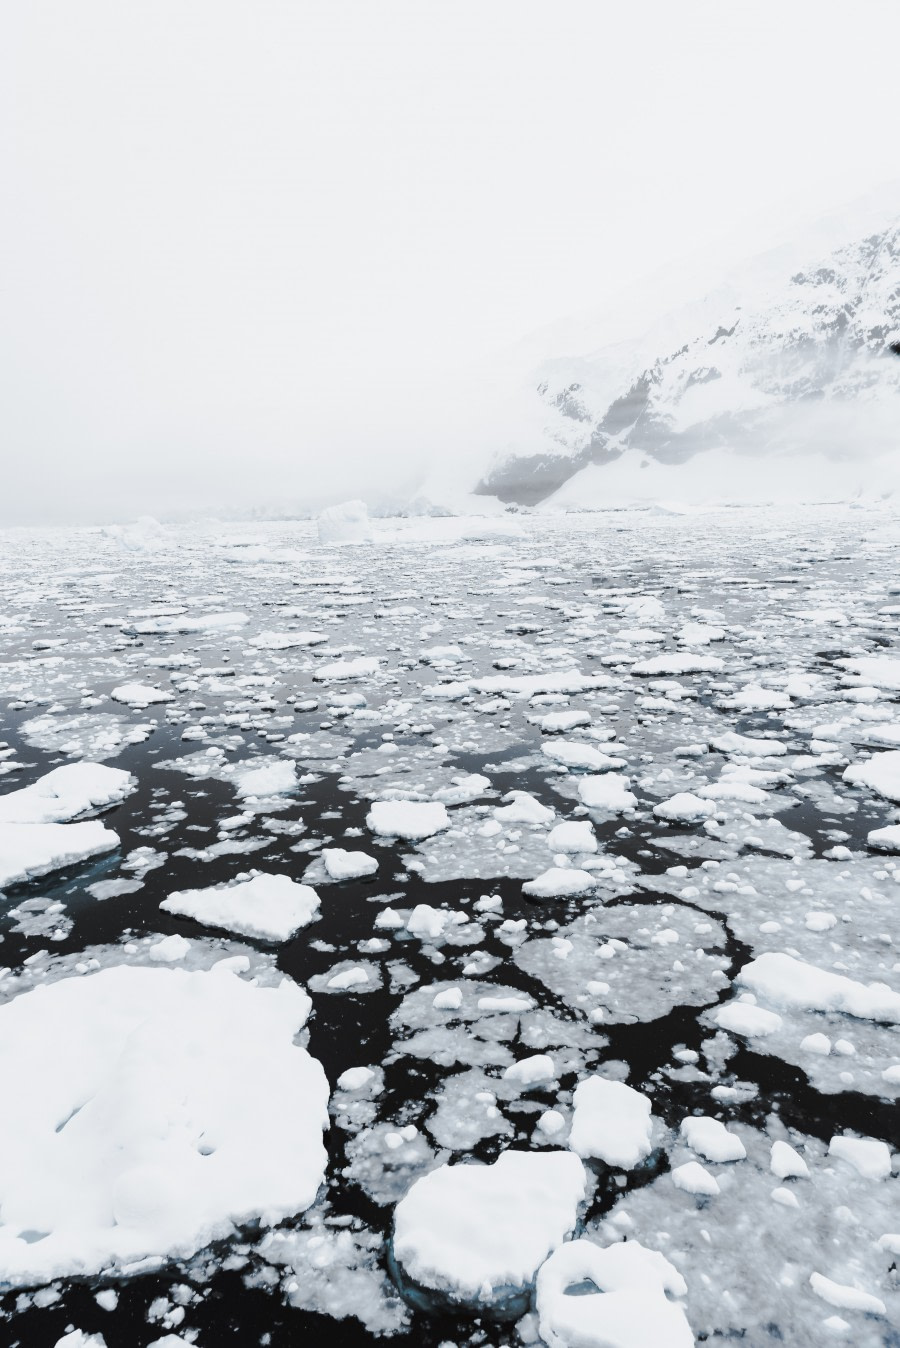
(265, 777)
(268, 907)
(785, 981)
(885, 839)
(561, 883)
(184, 624)
(609, 793)
(65, 793)
(612, 1123)
(881, 773)
(407, 818)
(140, 695)
(479, 1233)
(617, 1296)
(171, 1107)
(29, 850)
(342, 864)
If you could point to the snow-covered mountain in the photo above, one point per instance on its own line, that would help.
(802, 367)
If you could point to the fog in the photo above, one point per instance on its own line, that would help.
(264, 256)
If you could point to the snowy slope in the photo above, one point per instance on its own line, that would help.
(799, 366)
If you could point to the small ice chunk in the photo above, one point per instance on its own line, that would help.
(747, 1019)
(521, 808)
(560, 883)
(581, 757)
(349, 978)
(170, 950)
(531, 1071)
(450, 999)
(431, 923)
(407, 818)
(266, 779)
(712, 1139)
(572, 836)
(551, 1123)
(685, 808)
(869, 1157)
(355, 1078)
(693, 1178)
(611, 1122)
(885, 839)
(140, 695)
(816, 1043)
(610, 791)
(790, 982)
(343, 865)
(846, 1298)
(786, 1163)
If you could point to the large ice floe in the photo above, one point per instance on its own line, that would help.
(569, 846)
(155, 1110)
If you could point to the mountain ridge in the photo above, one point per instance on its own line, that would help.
(807, 365)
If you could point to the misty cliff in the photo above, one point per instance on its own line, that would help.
(805, 366)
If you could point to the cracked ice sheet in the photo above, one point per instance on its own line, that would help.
(828, 915)
(830, 1223)
(631, 962)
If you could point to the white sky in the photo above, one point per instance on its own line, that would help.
(245, 246)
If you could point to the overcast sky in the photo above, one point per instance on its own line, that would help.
(245, 246)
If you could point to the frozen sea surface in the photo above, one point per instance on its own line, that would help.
(575, 838)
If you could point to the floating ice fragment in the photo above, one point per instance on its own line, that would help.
(693, 1178)
(869, 1157)
(479, 1233)
(712, 1139)
(28, 850)
(607, 792)
(747, 1019)
(787, 981)
(140, 694)
(531, 1071)
(170, 1107)
(269, 907)
(611, 1122)
(572, 836)
(559, 883)
(787, 1163)
(629, 1309)
(846, 1298)
(343, 865)
(521, 808)
(65, 793)
(407, 818)
(685, 807)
